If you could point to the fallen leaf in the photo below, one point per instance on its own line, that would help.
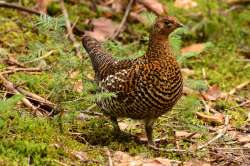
(120, 158)
(78, 86)
(213, 93)
(186, 72)
(217, 118)
(247, 145)
(123, 125)
(157, 162)
(198, 47)
(196, 162)
(137, 17)
(154, 5)
(42, 5)
(124, 159)
(185, 4)
(74, 74)
(118, 5)
(187, 90)
(82, 156)
(181, 134)
(103, 28)
(233, 134)
(243, 138)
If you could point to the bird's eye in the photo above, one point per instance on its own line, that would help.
(168, 24)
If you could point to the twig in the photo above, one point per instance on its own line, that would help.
(239, 87)
(69, 29)
(93, 113)
(167, 150)
(219, 135)
(238, 148)
(12, 61)
(13, 70)
(10, 86)
(207, 108)
(36, 98)
(41, 57)
(14, 6)
(109, 157)
(124, 19)
(240, 105)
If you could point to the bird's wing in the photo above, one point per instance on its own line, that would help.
(103, 63)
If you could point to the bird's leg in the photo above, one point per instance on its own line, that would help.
(116, 127)
(149, 130)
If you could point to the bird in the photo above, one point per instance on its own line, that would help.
(146, 87)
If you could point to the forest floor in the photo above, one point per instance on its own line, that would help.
(47, 111)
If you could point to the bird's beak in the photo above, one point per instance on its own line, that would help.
(179, 25)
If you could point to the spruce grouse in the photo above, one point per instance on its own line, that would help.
(146, 87)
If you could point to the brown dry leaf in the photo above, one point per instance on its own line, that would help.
(182, 134)
(217, 118)
(196, 162)
(247, 145)
(124, 159)
(123, 125)
(118, 5)
(213, 93)
(154, 5)
(197, 47)
(186, 72)
(42, 5)
(74, 74)
(157, 162)
(82, 156)
(233, 134)
(185, 4)
(103, 28)
(78, 86)
(121, 158)
(243, 138)
(133, 16)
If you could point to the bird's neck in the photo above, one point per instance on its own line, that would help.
(158, 48)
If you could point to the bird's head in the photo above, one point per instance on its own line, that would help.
(165, 25)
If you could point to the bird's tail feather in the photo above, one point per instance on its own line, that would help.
(98, 56)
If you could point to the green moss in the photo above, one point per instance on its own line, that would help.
(41, 141)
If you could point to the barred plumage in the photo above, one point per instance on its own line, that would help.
(146, 87)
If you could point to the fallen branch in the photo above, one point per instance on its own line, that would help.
(239, 87)
(13, 70)
(167, 150)
(219, 135)
(37, 98)
(124, 19)
(14, 6)
(10, 86)
(70, 31)
(13, 61)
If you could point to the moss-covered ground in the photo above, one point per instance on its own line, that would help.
(26, 139)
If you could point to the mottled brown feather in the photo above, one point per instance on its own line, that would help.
(146, 87)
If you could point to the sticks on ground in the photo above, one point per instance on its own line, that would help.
(10, 86)
(70, 31)
(219, 135)
(13, 70)
(14, 6)
(124, 19)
